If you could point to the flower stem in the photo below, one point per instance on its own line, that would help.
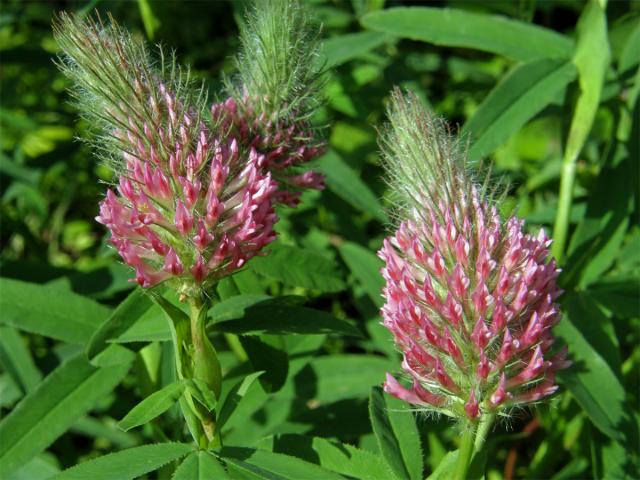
(561, 225)
(465, 453)
(486, 422)
(206, 367)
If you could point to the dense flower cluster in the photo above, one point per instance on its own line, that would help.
(190, 204)
(469, 299)
(285, 146)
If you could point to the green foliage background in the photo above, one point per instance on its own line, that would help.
(534, 102)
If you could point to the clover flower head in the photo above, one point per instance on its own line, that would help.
(469, 298)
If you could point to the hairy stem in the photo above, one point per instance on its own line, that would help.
(486, 422)
(465, 453)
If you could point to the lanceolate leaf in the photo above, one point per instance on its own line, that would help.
(130, 310)
(388, 441)
(127, 464)
(592, 378)
(298, 267)
(42, 416)
(17, 361)
(346, 183)
(247, 463)
(365, 266)
(338, 457)
(457, 28)
(49, 311)
(270, 318)
(200, 466)
(521, 94)
(340, 49)
(154, 405)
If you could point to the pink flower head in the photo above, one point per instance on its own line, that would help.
(192, 204)
(469, 298)
(285, 147)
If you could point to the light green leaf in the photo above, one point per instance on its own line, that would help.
(66, 394)
(346, 183)
(122, 318)
(338, 457)
(525, 91)
(231, 399)
(403, 423)
(591, 58)
(200, 466)
(365, 266)
(630, 52)
(247, 463)
(49, 311)
(342, 48)
(298, 267)
(41, 467)
(478, 31)
(127, 464)
(17, 361)
(153, 406)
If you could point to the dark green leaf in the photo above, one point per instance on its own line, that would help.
(592, 378)
(231, 399)
(298, 267)
(346, 183)
(365, 266)
(269, 317)
(266, 357)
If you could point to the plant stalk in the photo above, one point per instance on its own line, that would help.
(206, 367)
(465, 452)
(486, 422)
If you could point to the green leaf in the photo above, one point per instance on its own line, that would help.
(17, 360)
(630, 52)
(403, 423)
(365, 266)
(342, 48)
(346, 183)
(388, 442)
(231, 399)
(592, 378)
(127, 464)
(520, 95)
(48, 311)
(200, 466)
(338, 377)
(478, 31)
(270, 359)
(153, 406)
(298, 267)
(272, 317)
(65, 395)
(122, 318)
(338, 457)
(247, 463)
(41, 467)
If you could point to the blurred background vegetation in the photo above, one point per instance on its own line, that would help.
(50, 184)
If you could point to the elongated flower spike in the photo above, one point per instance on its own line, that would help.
(275, 93)
(469, 298)
(197, 185)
